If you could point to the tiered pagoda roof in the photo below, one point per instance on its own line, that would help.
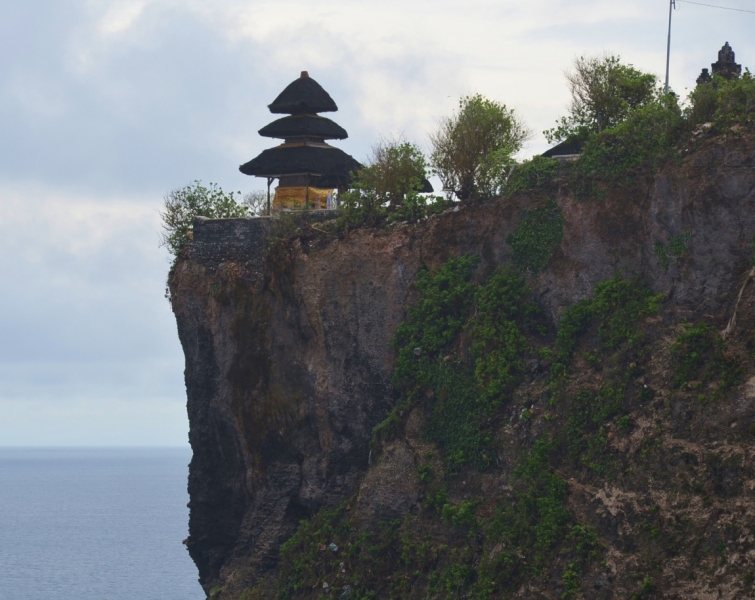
(304, 151)
(301, 96)
(304, 126)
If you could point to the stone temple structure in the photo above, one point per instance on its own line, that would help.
(725, 66)
(308, 169)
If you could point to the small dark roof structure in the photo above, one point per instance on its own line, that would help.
(303, 95)
(564, 150)
(304, 126)
(725, 66)
(321, 160)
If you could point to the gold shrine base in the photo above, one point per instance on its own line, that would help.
(301, 197)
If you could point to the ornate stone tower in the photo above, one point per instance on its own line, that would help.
(725, 66)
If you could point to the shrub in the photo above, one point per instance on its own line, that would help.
(360, 206)
(723, 102)
(195, 200)
(537, 172)
(473, 149)
(646, 139)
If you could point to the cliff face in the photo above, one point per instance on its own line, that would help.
(289, 364)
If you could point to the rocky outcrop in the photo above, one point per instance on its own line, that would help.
(289, 357)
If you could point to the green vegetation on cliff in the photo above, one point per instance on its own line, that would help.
(462, 352)
(603, 455)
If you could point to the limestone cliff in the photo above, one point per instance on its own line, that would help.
(289, 369)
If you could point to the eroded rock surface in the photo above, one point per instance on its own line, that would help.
(289, 361)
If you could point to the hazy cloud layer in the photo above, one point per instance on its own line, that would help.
(107, 105)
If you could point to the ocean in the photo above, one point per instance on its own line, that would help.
(95, 524)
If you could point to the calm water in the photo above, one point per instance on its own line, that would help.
(95, 524)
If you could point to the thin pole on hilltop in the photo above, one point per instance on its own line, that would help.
(671, 7)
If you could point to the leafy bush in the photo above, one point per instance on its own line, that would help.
(647, 139)
(195, 200)
(723, 102)
(473, 149)
(585, 433)
(360, 205)
(538, 172)
(604, 93)
(416, 206)
(532, 524)
(441, 311)
(504, 310)
(536, 237)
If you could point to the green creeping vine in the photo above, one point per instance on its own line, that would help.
(586, 435)
(533, 524)
(463, 347)
(520, 540)
(461, 352)
(698, 358)
(617, 305)
(536, 237)
(326, 552)
(677, 247)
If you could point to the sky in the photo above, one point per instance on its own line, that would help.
(105, 106)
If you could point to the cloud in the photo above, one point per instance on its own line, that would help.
(108, 104)
(85, 331)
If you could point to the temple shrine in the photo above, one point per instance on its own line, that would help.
(308, 169)
(725, 66)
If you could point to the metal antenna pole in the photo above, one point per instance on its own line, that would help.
(671, 6)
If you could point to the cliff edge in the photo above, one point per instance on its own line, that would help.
(613, 464)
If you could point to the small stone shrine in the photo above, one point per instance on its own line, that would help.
(307, 168)
(725, 66)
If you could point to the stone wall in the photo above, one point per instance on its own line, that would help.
(239, 240)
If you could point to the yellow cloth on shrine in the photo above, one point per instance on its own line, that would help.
(300, 197)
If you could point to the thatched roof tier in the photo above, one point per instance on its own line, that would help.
(295, 159)
(304, 126)
(303, 95)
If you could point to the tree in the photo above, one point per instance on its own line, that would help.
(395, 169)
(473, 149)
(604, 93)
(256, 202)
(181, 206)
